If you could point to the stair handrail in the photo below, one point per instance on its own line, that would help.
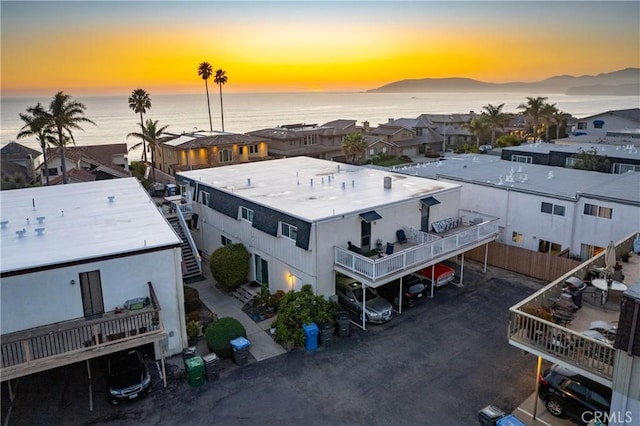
(190, 240)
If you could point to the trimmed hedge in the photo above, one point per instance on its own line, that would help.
(191, 299)
(230, 266)
(220, 332)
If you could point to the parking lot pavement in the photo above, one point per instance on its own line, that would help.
(524, 413)
(437, 364)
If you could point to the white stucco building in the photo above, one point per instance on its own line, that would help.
(296, 216)
(71, 255)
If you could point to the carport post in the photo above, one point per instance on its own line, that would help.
(486, 255)
(400, 297)
(535, 400)
(462, 269)
(433, 283)
(90, 386)
(164, 372)
(364, 306)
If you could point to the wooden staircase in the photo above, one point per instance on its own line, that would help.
(191, 268)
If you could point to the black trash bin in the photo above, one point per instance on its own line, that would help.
(490, 415)
(343, 321)
(211, 367)
(187, 353)
(326, 333)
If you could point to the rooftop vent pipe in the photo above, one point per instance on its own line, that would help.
(4, 224)
(111, 198)
(39, 231)
(387, 182)
(21, 233)
(40, 219)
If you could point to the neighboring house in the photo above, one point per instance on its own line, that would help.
(621, 158)
(452, 127)
(310, 140)
(400, 141)
(296, 216)
(544, 208)
(610, 121)
(87, 163)
(425, 132)
(71, 255)
(19, 159)
(203, 149)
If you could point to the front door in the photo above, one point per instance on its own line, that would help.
(424, 222)
(262, 270)
(91, 289)
(365, 231)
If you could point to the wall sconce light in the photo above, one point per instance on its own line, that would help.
(73, 282)
(290, 277)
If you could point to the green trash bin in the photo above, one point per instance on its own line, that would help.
(195, 370)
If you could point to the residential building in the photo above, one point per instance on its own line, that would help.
(425, 132)
(72, 257)
(608, 122)
(394, 140)
(543, 208)
(19, 159)
(311, 140)
(203, 149)
(86, 163)
(297, 216)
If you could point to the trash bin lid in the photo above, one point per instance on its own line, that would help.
(239, 343)
(194, 362)
(510, 420)
(310, 328)
(491, 412)
(210, 357)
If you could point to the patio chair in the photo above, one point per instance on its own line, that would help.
(402, 238)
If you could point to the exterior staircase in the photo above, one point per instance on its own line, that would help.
(189, 260)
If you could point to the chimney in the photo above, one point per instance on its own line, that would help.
(365, 126)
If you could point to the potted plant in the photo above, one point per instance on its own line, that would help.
(193, 331)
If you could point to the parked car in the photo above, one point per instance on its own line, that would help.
(350, 297)
(413, 293)
(442, 273)
(568, 394)
(484, 148)
(127, 376)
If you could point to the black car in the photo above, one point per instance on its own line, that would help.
(127, 376)
(414, 291)
(568, 394)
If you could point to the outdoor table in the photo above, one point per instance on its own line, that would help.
(602, 285)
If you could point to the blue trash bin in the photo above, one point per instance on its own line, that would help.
(510, 420)
(310, 336)
(240, 347)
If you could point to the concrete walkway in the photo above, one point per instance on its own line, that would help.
(262, 345)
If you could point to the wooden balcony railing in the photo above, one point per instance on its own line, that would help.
(428, 247)
(71, 339)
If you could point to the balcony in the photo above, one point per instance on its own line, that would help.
(42, 348)
(422, 249)
(566, 344)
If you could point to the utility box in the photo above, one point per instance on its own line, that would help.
(240, 347)
(310, 336)
(195, 370)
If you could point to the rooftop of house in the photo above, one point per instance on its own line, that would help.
(16, 151)
(616, 151)
(313, 189)
(203, 139)
(632, 114)
(544, 180)
(78, 221)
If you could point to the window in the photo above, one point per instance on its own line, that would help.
(372, 152)
(552, 209)
(549, 247)
(310, 139)
(246, 214)
(253, 149)
(384, 150)
(570, 162)
(522, 159)
(595, 210)
(225, 155)
(289, 231)
(582, 125)
(204, 198)
(226, 241)
(53, 172)
(418, 131)
(241, 150)
(517, 238)
(619, 168)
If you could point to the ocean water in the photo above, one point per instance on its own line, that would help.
(244, 112)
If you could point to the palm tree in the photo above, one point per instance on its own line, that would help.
(547, 113)
(64, 115)
(478, 126)
(559, 118)
(38, 126)
(495, 119)
(205, 71)
(533, 111)
(220, 79)
(353, 146)
(140, 102)
(149, 133)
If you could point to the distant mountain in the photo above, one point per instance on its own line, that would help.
(618, 83)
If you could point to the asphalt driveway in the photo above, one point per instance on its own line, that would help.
(436, 364)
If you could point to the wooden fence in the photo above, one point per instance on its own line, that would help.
(542, 266)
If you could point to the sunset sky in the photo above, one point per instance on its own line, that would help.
(97, 47)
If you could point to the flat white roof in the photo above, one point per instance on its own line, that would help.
(313, 189)
(79, 223)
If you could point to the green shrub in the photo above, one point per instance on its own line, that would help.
(193, 329)
(220, 332)
(301, 307)
(230, 266)
(192, 301)
(508, 140)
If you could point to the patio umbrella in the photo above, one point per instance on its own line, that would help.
(610, 258)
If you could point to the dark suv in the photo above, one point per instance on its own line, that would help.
(127, 376)
(568, 394)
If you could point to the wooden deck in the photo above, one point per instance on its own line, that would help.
(41, 348)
